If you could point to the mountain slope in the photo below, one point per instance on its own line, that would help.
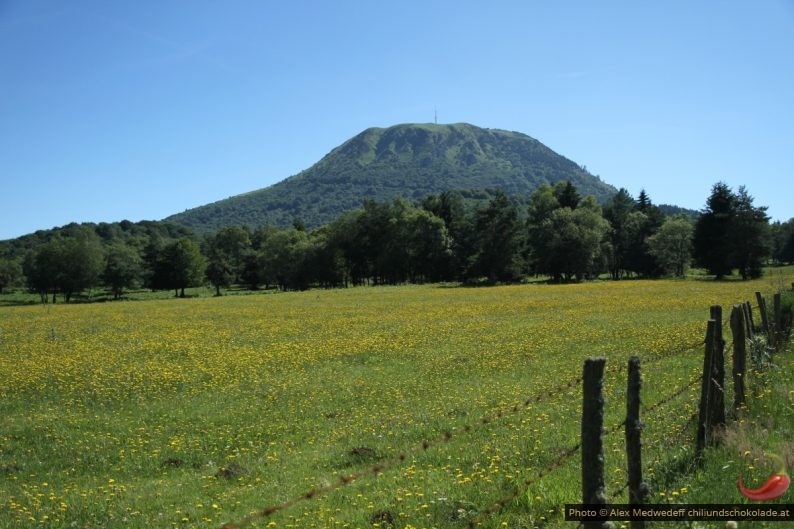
(411, 161)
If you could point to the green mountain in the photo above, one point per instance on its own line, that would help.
(411, 161)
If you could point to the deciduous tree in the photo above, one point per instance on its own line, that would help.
(180, 265)
(10, 273)
(123, 268)
(672, 245)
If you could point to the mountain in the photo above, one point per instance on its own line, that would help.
(412, 161)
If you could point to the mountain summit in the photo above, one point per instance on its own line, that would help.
(412, 161)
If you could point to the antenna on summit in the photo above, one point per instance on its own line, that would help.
(435, 116)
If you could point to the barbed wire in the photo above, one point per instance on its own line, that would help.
(619, 367)
(523, 487)
(680, 391)
(658, 458)
(383, 466)
(675, 352)
(676, 439)
(450, 434)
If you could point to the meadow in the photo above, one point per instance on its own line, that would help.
(191, 413)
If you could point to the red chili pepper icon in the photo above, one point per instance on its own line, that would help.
(775, 486)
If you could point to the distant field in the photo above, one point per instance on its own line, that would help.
(196, 412)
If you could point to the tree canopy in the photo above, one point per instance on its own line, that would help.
(479, 236)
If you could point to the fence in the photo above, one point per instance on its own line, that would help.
(710, 416)
(712, 410)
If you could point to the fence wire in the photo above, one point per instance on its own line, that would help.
(385, 465)
(487, 419)
(675, 442)
(680, 391)
(523, 487)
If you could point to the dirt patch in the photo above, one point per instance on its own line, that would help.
(383, 519)
(172, 462)
(233, 471)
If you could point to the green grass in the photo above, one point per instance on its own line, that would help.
(195, 412)
(765, 424)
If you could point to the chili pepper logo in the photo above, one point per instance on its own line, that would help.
(775, 486)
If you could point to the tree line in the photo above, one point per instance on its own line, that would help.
(555, 233)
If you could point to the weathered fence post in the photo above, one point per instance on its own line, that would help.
(593, 488)
(717, 386)
(738, 328)
(778, 320)
(638, 490)
(748, 317)
(762, 310)
(704, 417)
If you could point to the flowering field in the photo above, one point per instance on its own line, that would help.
(197, 412)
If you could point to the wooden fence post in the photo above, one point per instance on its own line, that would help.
(638, 490)
(704, 417)
(717, 386)
(593, 488)
(778, 320)
(748, 317)
(738, 328)
(762, 310)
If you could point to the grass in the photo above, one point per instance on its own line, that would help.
(196, 412)
(764, 425)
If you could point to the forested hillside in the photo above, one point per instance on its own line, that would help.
(409, 161)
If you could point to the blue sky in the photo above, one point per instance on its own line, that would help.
(138, 110)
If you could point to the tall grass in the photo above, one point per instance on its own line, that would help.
(197, 412)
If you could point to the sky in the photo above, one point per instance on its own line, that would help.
(139, 110)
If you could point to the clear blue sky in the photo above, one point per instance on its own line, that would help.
(138, 110)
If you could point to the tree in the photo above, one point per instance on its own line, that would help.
(567, 195)
(284, 258)
(713, 246)
(497, 235)
(368, 246)
(449, 207)
(391, 260)
(70, 262)
(567, 244)
(123, 268)
(643, 202)
(41, 268)
(783, 241)
(327, 264)
(180, 265)
(621, 234)
(226, 252)
(732, 233)
(638, 258)
(230, 244)
(82, 261)
(250, 272)
(10, 273)
(154, 273)
(428, 246)
(541, 203)
(219, 272)
(345, 236)
(567, 235)
(646, 219)
(672, 245)
(751, 236)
